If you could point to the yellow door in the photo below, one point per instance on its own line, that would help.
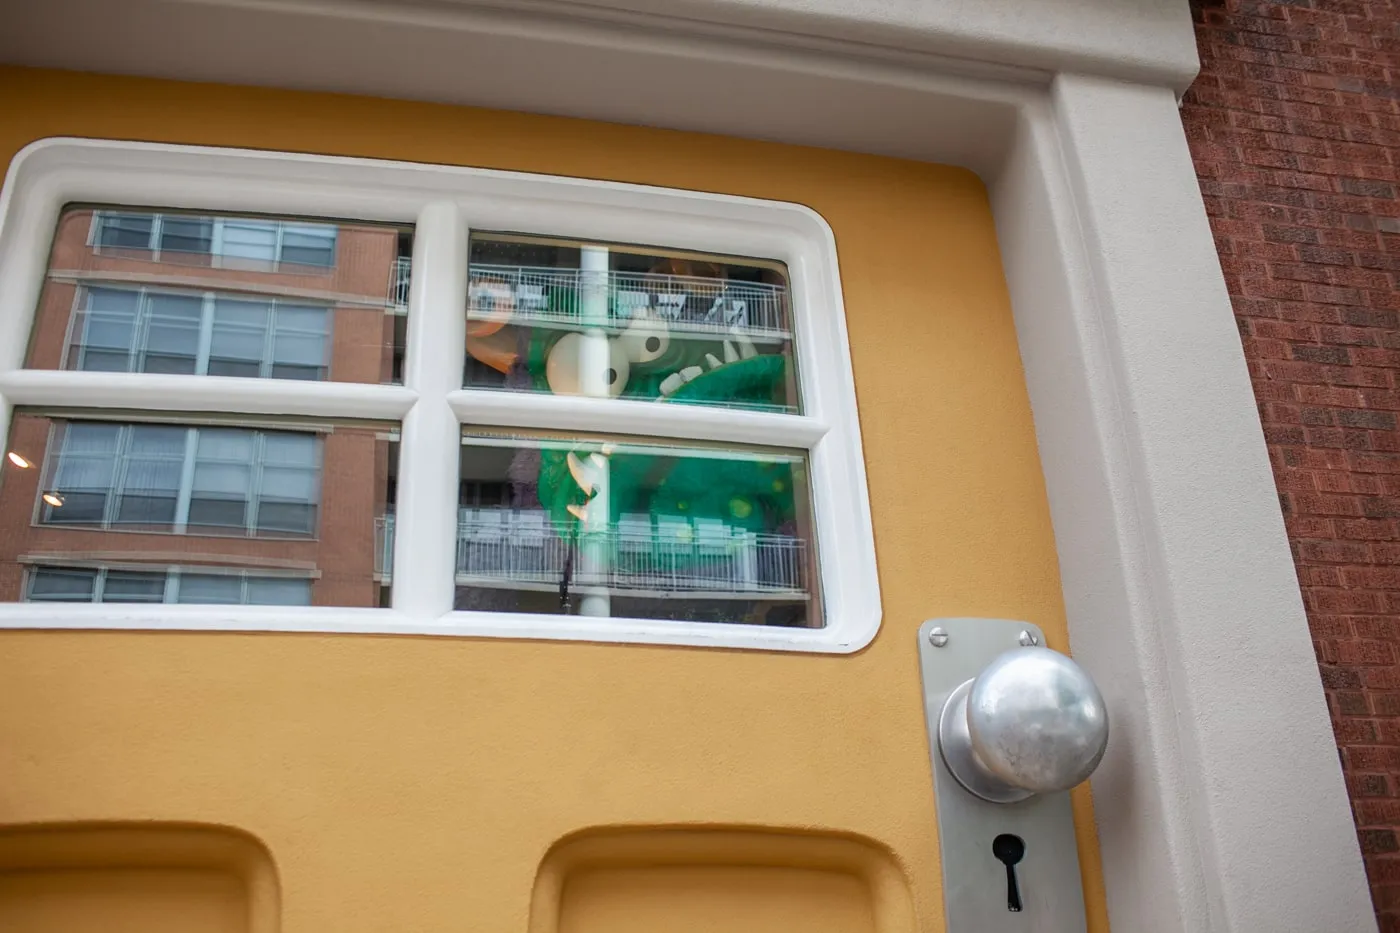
(251, 781)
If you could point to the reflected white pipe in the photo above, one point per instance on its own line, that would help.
(594, 382)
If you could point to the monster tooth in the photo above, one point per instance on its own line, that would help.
(731, 355)
(690, 372)
(671, 383)
(580, 474)
(712, 360)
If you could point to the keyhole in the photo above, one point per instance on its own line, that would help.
(1009, 850)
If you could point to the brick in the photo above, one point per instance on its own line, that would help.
(1364, 187)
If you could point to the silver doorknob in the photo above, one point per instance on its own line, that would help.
(1032, 722)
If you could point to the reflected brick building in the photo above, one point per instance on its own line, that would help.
(206, 509)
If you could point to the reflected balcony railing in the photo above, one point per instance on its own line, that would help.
(550, 297)
(399, 278)
(523, 549)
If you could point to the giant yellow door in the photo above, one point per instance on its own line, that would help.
(200, 781)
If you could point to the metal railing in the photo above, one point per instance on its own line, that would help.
(551, 297)
(523, 548)
(399, 279)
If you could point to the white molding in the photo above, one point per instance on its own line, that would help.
(159, 392)
(617, 60)
(425, 536)
(49, 173)
(1220, 802)
(634, 416)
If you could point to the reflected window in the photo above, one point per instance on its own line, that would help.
(265, 241)
(568, 317)
(182, 478)
(131, 291)
(175, 585)
(157, 331)
(191, 508)
(620, 527)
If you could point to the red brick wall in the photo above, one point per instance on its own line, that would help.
(1294, 124)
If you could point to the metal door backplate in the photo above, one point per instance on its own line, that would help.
(974, 882)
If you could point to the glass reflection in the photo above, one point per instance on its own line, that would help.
(616, 527)
(144, 291)
(100, 507)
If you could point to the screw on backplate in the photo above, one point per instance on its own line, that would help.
(1027, 639)
(938, 637)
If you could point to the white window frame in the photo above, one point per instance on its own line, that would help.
(443, 203)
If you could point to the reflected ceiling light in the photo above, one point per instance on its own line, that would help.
(53, 499)
(18, 461)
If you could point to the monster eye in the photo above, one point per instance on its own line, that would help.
(645, 339)
(564, 367)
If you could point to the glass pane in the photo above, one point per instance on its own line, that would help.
(278, 591)
(223, 295)
(172, 334)
(56, 584)
(309, 244)
(107, 329)
(272, 513)
(249, 239)
(576, 318)
(133, 586)
(211, 588)
(617, 527)
(182, 234)
(124, 231)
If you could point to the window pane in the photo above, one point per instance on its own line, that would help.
(299, 342)
(172, 334)
(278, 591)
(615, 527)
(131, 586)
(250, 239)
(223, 478)
(84, 471)
(309, 244)
(224, 589)
(575, 318)
(248, 297)
(150, 466)
(103, 340)
(272, 513)
(125, 231)
(56, 584)
(182, 234)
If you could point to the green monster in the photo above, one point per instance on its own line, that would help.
(749, 494)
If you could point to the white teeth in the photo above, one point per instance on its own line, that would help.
(712, 360)
(580, 474)
(671, 383)
(690, 372)
(599, 461)
(746, 348)
(731, 355)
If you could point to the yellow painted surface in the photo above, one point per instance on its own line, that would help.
(417, 783)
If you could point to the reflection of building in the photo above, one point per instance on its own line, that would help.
(205, 510)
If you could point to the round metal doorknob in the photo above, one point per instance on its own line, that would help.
(1032, 722)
